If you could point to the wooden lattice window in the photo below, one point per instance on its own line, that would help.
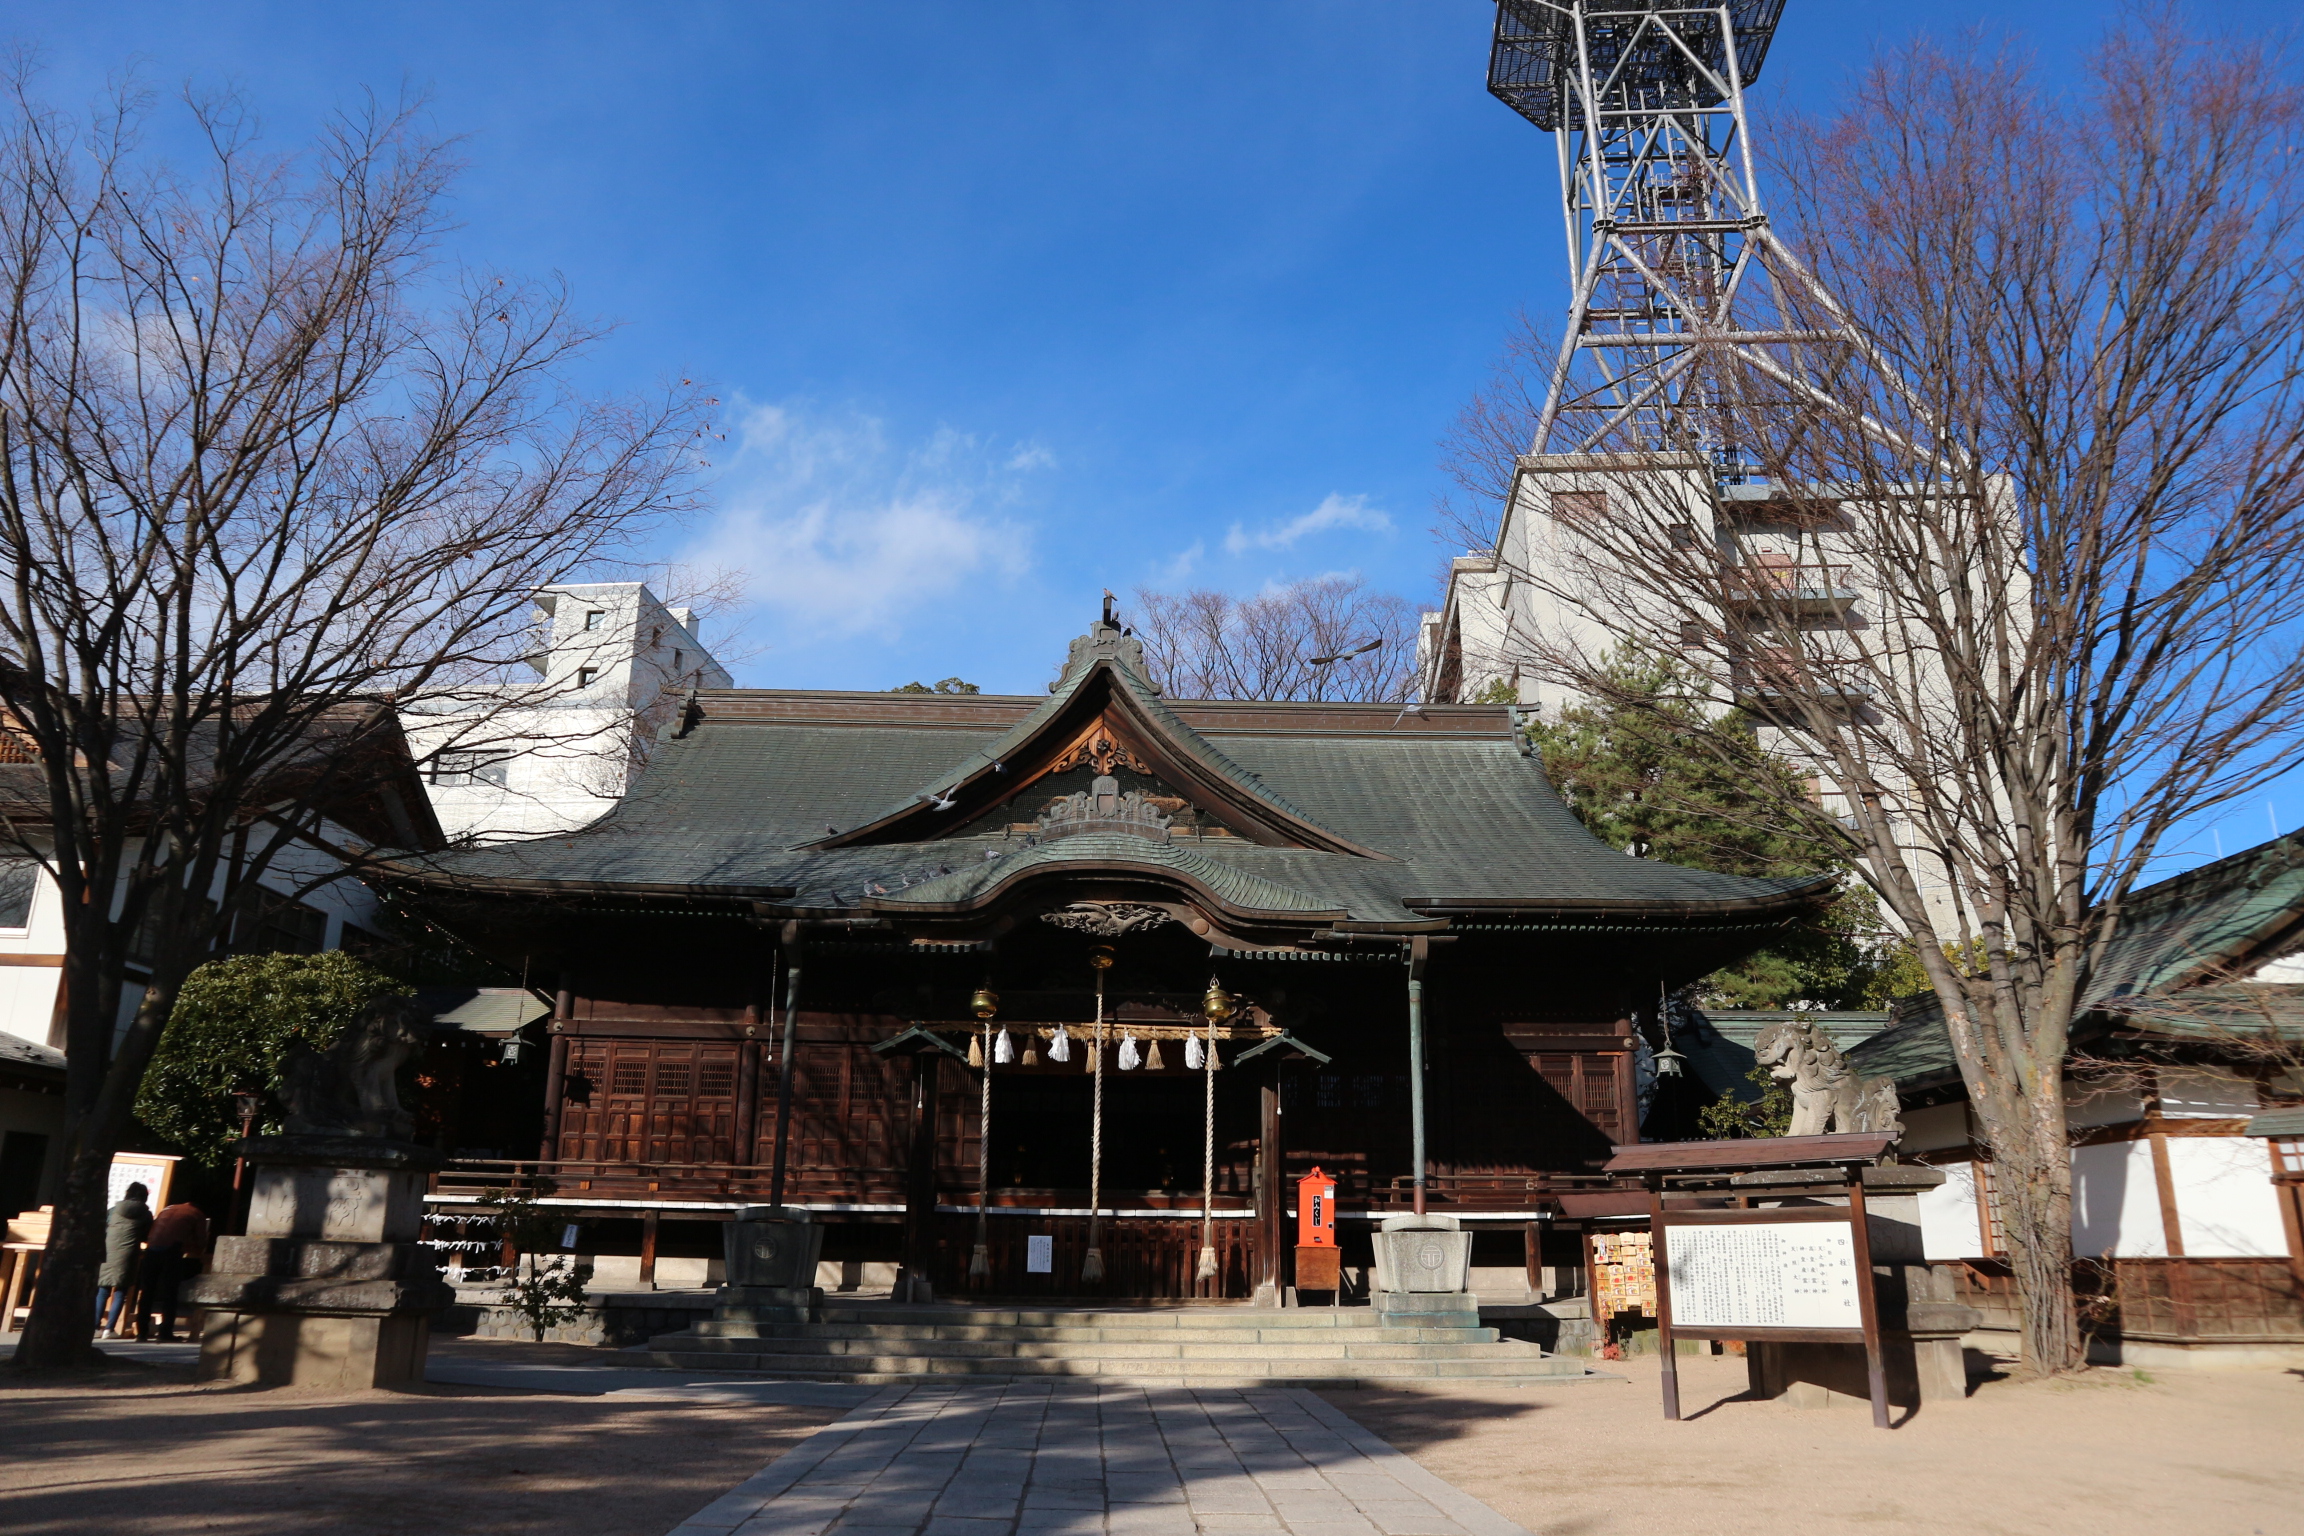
(629, 1077)
(672, 1076)
(1995, 1231)
(716, 1079)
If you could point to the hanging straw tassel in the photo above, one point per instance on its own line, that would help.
(1095, 1054)
(1130, 1057)
(980, 1263)
(1060, 1048)
(1092, 1267)
(1031, 1050)
(1152, 1059)
(976, 1050)
(1207, 1266)
(1193, 1056)
(1003, 1049)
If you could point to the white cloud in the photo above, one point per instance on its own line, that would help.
(839, 531)
(1332, 513)
(1031, 456)
(1182, 567)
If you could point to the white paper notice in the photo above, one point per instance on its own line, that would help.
(1767, 1275)
(1039, 1255)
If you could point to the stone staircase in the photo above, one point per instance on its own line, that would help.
(1402, 1340)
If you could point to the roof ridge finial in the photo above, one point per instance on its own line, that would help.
(1111, 619)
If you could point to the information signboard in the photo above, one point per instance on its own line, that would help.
(1785, 1274)
(1775, 1274)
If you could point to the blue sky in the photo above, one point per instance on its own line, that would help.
(1009, 302)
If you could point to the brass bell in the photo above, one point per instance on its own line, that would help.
(1101, 957)
(986, 1002)
(1218, 1005)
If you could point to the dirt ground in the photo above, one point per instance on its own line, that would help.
(2190, 1453)
(140, 1449)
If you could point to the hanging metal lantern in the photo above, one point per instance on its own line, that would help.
(986, 1002)
(1668, 1061)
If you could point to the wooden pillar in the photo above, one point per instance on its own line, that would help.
(556, 1074)
(1271, 1179)
(1533, 1241)
(1628, 1085)
(747, 1087)
(2172, 1237)
(784, 1063)
(648, 1251)
(917, 1280)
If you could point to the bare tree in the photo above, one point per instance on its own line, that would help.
(2058, 455)
(267, 466)
(1323, 638)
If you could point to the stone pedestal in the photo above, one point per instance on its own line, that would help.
(329, 1287)
(1422, 1255)
(1921, 1320)
(771, 1254)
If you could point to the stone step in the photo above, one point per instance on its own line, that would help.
(1012, 1349)
(870, 1368)
(1101, 1317)
(898, 1332)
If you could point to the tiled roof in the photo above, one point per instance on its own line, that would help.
(1441, 806)
(17, 1052)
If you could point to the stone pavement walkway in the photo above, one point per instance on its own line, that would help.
(1063, 1459)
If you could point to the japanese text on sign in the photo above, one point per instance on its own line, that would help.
(1764, 1275)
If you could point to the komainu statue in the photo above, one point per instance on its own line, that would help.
(349, 1089)
(1827, 1095)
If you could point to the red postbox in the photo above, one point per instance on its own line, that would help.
(1316, 1210)
(1318, 1264)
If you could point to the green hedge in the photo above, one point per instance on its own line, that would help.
(232, 1023)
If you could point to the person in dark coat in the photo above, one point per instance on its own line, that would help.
(124, 1229)
(178, 1240)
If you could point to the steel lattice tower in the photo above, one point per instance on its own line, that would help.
(1679, 292)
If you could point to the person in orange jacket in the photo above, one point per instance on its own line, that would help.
(177, 1241)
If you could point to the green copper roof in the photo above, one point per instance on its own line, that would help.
(1365, 813)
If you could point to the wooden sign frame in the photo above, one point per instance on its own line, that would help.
(1662, 1219)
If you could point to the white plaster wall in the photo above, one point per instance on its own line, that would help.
(1949, 1223)
(2116, 1202)
(2225, 1201)
(28, 992)
(28, 1000)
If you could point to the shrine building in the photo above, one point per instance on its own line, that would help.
(1415, 968)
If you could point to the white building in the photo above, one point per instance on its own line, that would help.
(553, 754)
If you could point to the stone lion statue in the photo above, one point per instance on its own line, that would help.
(1827, 1095)
(349, 1089)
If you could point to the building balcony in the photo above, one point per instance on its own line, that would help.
(1766, 675)
(1792, 588)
